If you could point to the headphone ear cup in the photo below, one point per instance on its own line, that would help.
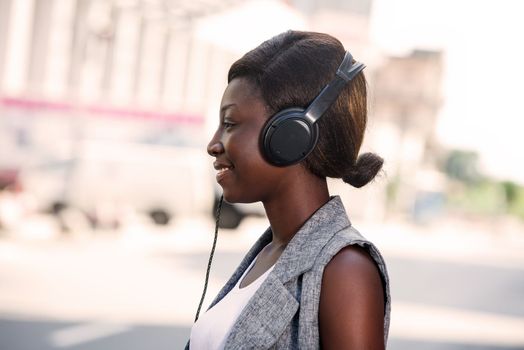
(288, 138)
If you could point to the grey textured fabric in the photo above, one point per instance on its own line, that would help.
(283, 312)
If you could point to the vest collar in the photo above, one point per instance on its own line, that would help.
(306, 244)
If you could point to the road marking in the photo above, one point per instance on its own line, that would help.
(84, 333)
(446, 324)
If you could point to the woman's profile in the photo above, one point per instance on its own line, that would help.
(293, 114)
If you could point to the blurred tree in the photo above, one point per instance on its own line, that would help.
(514, 195)
(462, 166)
(474, 193)
(511, 190)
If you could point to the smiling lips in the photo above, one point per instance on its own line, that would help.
(223, 170)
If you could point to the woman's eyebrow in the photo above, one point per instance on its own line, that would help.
(225, 107)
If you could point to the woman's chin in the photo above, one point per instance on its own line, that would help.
(229, 196)
(235, 197)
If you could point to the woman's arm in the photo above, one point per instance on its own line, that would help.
(351, 310)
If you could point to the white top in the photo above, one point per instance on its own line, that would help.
(212, 328)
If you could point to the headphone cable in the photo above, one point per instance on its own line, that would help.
(210, 256)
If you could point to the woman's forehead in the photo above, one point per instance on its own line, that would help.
(241, 93)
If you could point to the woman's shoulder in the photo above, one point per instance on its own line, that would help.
(350, 254)
(351, 264)
(348, 244)
(352, 302)
(350, 257)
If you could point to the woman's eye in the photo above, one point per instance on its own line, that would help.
(227, 125)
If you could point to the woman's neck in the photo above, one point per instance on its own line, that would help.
(291, 209)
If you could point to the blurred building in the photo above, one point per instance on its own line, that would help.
(154, 72)
(122, 52)
(87, 86)
(406, 101)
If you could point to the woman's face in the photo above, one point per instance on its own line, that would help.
(243, 173)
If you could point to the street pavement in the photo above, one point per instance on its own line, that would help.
(455, 285)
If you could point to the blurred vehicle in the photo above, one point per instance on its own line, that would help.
(231, 215)
(106, 179)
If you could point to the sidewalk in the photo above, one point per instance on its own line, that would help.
(149, 275)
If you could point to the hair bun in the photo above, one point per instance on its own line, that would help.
(366, 168)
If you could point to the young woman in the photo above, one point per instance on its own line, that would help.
(311, 280)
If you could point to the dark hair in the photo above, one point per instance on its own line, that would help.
(289, 70)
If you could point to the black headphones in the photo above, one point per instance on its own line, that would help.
(291, 135)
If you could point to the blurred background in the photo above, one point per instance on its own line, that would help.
(107, 193)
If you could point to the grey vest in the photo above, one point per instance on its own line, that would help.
(283, 312)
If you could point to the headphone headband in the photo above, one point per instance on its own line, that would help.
(329, 94)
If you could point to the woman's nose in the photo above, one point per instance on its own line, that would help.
(215, 148)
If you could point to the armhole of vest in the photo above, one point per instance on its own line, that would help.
(371, 250)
